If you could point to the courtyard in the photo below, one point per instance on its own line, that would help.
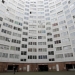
(39, 73)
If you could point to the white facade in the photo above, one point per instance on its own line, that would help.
(37, 31)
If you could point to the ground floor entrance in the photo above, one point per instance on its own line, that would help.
(11, 67)
(42, 67)
(70, 67)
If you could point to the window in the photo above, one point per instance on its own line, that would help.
(64, 3)
(49, 39)
(0, 54)
(34, 50)
(40, 9)
(68, 47)
(23, 53)
(16, 41)
(16, 56)
(52, 11)
(55, 24)
(57, 41)
(67, 11)
(26, 9)
(62, 22)
(32, 57)
(19, 29)
(54, 19)
(16, 34)
(13, 48)
(8, 19)
(1, 19)
(15, 28)
(40, 17)
(27, 5)
(74, 49)
(26, 23)
(48, 34)
(24, 39)
(53, 15)
(41, 31)
(24, 46)
(66, 40)
(5, 55)
(26, 13)
(32, 37)
(3, 38)
(0, 25)
(68, 17)
(25, 33)
(48, 18)
(70, 22)
(51, 3)
(29, 43)
(56, 29)
(58, 4)
(50, 46)
(42, 57)
(66, 7)
(34, 17)
(48, 23)
(58, 48)
(42, 50)
(41, 43)
(32, 31)
(48, 28)
(26, 18)
(68, 55)
(12, 56)
(56, 35)
(7, 39)
(60, 12)
(29, 49)
(47, 14)
(72, 34)
(73, 16)
(51, 53)
(33, 26)
(47, 10)
(73, 42)
(34, 43)
(19, 18)
(17, 48)
(63, 28)
(41, 37)
(61, 17)
(5, 47)
(64, 34)
(6, 31)
(73, 10)
(53, 6)
(59, 56)
(7, 25)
